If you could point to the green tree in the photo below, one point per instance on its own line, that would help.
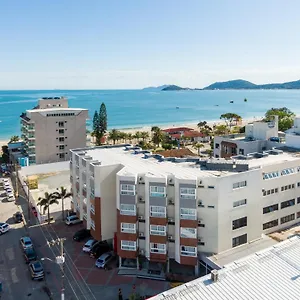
(230, 119)
(96, 127)
(46, 202)
(122, 136)
(14, 138)
(130, 137)
(285, 117)
(144, 135)
(114, 135)
(220, 130)
(5, 154)
(62, 194)
(198, 146)
(137, 136)
(157, 135)
(102, 119)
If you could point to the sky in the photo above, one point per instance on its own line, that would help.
(129, 44)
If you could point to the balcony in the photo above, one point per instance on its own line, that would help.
(30, 128)
(30, 137)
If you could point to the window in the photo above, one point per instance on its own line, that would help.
(157, 191)
(210, 206)
(61, 155)
(239, 240)
(241, 151)
(271, 175)
(239, 223)
(127, 209)
(298, 200)
(188, 232)
(287, 219)
(298, 214)
(61, 139)
(239, 203)
(61, 147)
(61, 124)
(217, 146)
(158, 248)
(127, 189)
(128, 227)
(287, 203)
(158, 230)
(270, 224)
(187, 193)
(240, 184)
(158, 211)
(188, 214)
(93, 224)
(92, 208)
(61, 131)
(188, 251)
(210, 187)
(287, 187)
(128, 245)
(287, 171)
(270, 208)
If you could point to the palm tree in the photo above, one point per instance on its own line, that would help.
(157, 135)
(123, 136)
(14, 138)
(62, 194)
(144, 135)
(46, 202)
(114, 135)
(130, 137)
(137, 136)
(198, 146)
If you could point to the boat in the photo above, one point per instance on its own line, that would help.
(231, 101)
(177, 107)
(245, 100)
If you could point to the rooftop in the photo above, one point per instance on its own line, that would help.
(54, 109)
(269, 275)
(177, 129)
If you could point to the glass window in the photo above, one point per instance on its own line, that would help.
(92, 209)
(128, 245)
(239, 203)
(158, 248)
(188, 251)
(128, 209)
(239, 184)
(239, 240)
(270, 224)
(158, 230)
(287, 219)
(128, 227)
(270, 208)
(188, 193)
(93, 224)
(128, 189)
(188, 232)
(287, 203)
(188, 213)
(157, 191)
(158, 211)
(239, 223)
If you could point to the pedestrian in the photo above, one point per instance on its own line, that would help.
(120, 295)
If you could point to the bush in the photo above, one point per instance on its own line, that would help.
(167, 146)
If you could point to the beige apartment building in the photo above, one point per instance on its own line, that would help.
(182, 208)
(51, 129)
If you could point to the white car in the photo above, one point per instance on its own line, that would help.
(88, 245)
(73, 220)
(4, 227)
(11, 198)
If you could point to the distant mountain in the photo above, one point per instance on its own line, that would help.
(240, 84)
(173, 87)
(155, 88)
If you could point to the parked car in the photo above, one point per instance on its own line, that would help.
(18, 217)
(72, 220)
(26, 242)
(71, 213)
(4, 227)
(11, 198)
(81, 235)
(102, 261)
(98, 249)
(36, 270)
(30, 255)
(88, 245)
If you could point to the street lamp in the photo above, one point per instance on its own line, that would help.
(59, 260)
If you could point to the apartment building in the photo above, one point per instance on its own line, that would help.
(51, 129)
(259, 136)
(175, 208)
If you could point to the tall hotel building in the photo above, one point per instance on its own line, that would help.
(178, 208)
(51, 129)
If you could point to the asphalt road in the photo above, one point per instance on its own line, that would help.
(14, 273)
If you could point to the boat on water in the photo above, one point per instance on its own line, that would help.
(231, 101)
(177, 107)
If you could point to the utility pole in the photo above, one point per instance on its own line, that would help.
(60, 260)
(16, 181)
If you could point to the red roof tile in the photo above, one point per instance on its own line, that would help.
(177, 129)
(189, 134)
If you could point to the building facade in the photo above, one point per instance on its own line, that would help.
(51, 129)
(175, 208)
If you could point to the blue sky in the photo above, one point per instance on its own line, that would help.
(136, 43)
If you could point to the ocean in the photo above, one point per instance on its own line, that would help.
(138, 108)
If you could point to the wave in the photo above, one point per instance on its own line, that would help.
(18, 101)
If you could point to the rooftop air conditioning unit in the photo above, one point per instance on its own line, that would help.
(141, 217)
(141, 199)
(214, 275)
(171, 201)
(141, 234)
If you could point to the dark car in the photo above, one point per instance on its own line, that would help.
(18, 217)
(30, 255)
(99, 248)
(81, 235)
(36, 270)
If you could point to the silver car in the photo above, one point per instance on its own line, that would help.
(71, 220)
(102, 261)
(88, 245)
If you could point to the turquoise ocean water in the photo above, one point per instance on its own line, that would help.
(135, 108)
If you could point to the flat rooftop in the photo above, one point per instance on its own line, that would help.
(270, 274)
(54, 109)
(136, 161)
